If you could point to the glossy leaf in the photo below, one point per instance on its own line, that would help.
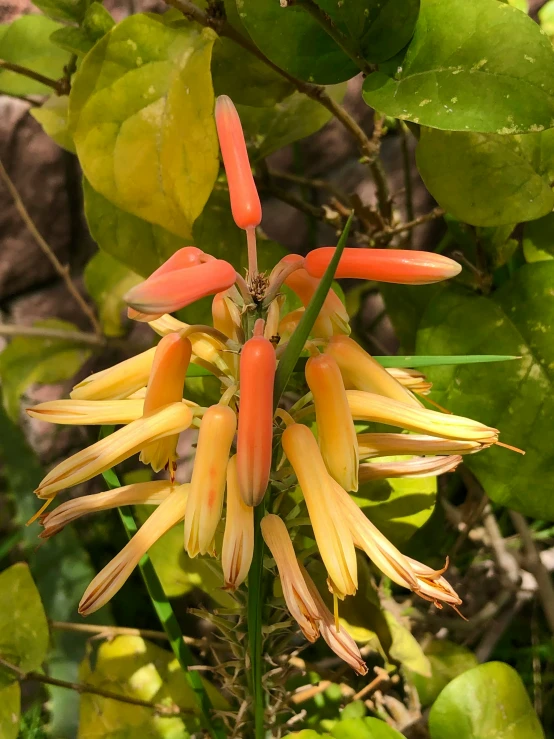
(27, 360)
(23, 625)
(487, 179)
(515, 397)
(447, 660)
(140, 245)
(107, 281)
(10, 710)
(487, 701)
(26, 42)
(364, 728)
(472, 65)
(292, 119)
(53, 117)
(154, 153)
(294, 41)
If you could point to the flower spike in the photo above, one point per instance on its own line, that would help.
(238, 539)
(336, 432)
(255, 432)
(207, 485)
(399, 266)
(176, 289)
(245, 201)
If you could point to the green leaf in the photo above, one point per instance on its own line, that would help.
(487, 179)
(26, 42)
(63, 10)
(96, 23)
(107, 281)
(406, 649)
(515, 397)
(131, 666)
(23, 625)
(447, 660)
(405, 305)
(294, 118)
(378, 29)
(364, 728)
(10, 711)
(296, 342)
(296, 42)
(485, 702)
(538, 239)
(27, 360)
(138, 244)
(308, 734)
(472, 65)
(546, 18)
(53, 117)
(141, 112)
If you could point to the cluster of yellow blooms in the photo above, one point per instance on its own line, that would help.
(144, 397)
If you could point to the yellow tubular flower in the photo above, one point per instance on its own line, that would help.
(371, 407)
(335, 427)
(411, 379)
(142, 493)
(207, 486)
(165, 385)
(389, 445)
(413, 468)
(238, 539)
(340, 641)
(227, 319)
(112, 450)
(331, 529)
(88, 412)
(106, 584)
(297, 596)
(362, 372)
(432, 586)
(118, 381)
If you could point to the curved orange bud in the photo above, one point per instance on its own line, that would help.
(335, 427)
(401, 266)
(176, 289)
(255, 434)
(245, 201)
(207, 485)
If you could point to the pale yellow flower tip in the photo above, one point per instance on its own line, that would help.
(389, 445)
(142, 493)
(360, 371)
(331, 529)
(335, 427)
(106, 453)
(106, 584)
(295, 591)
(116, 382)
(88, 412)
(376, 408)
(238, 539)
(207, 486)
(409, 468)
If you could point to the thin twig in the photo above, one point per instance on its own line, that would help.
(409, 199)
(109, 632)
(158, 708)
(381, 676)
(315, 184)
(56, 85)
(420, 220)
(78, 337)
(536, 568)
(58, 266)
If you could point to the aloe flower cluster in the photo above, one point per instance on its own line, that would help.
(246, 443)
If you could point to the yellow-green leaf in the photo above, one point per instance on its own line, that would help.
(107, 281)
(447, 660)
(141, 112)
(53, 117)
(10, 711)
(23, 625)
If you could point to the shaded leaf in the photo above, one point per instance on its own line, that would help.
(23, 625)
(107, 281)
(27, 360)
(10, 711)
(53, 117)
(64, 10)
(26, 42)
(472, 65)
(96, 23)
(141, 112)
(487, 179)
(515, 397)
(406, 649)
(538, 239)
(447, 660)
(487, 701)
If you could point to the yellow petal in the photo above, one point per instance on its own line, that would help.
(88, 412)
(389, 445)
(118, 381)
(238, 539)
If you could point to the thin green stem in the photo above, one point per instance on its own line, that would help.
(255, 638)
(31, 74)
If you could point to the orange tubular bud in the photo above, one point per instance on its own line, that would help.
(165, 385)
(238, 539)
(360, 371)
(176, 289)
(207, 485)
(255, 434)
(400, 266)
(330, 527)
(335, 427)
(245, 201)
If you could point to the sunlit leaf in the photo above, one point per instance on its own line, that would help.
(10, 710)
(107, 281)
(447, 660)
(53, 117)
